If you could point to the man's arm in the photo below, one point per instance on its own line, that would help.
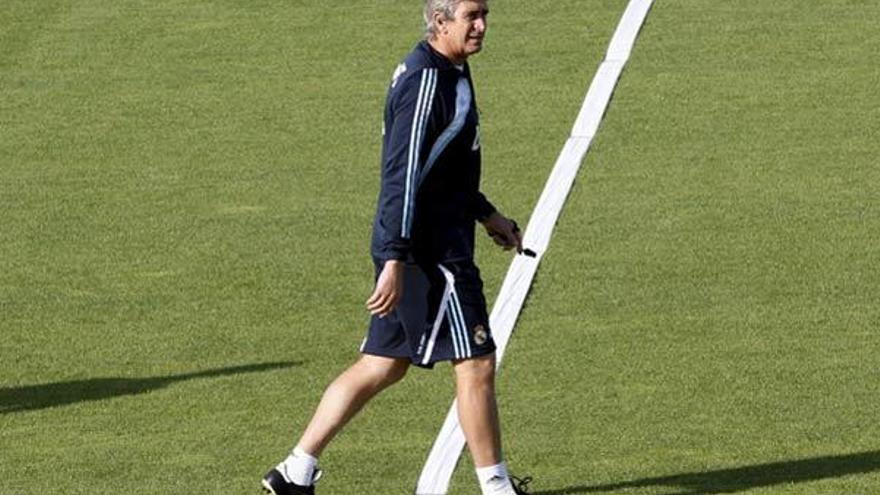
(410, 105)
(411, 102)
(481, 207)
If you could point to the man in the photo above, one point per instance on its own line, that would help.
(427, 305)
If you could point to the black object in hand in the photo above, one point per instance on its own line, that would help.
(526, 251)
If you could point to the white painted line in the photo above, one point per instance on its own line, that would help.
(598, 97)
(628, 30)
(447, 448)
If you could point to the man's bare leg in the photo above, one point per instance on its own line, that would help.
(341, 401)
(347, 395)
(478, 416)
(477, 409)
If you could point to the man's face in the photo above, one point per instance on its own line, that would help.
(464, 33)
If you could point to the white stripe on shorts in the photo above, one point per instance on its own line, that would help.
(441, 312)
(458, 314)
(452, 307)
(453, 330)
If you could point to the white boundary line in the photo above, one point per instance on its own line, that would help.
(447, 448)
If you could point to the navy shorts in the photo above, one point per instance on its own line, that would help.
(441, 316)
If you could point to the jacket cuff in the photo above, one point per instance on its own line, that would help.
(396, 252)
(483, 209)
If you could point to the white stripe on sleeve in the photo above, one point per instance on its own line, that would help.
(424, 104)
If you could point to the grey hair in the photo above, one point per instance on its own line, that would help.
(445, 7)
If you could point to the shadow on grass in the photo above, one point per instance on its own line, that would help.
(33, 397)
(744, 478)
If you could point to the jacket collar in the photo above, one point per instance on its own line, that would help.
(438, 59)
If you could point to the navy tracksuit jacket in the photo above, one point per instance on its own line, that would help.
(429, 198)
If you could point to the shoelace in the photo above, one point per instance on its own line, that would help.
(522, 484)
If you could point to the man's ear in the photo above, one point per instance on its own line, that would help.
(439, 21)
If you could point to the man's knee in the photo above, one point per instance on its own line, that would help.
(479, 369)
(382, 371)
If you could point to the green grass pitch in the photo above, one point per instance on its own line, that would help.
(187, 189)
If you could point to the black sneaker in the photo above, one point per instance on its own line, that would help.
(275, 484)
(520, 485)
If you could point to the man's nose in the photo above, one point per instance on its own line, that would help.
(480, 25)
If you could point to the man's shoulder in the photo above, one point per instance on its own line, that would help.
(412, 66)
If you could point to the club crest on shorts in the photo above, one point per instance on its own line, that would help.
(480, 335)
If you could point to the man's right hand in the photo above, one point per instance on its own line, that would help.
(389, 289)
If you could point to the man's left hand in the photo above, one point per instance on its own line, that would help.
(503, 231)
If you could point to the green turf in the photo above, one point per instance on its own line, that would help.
(187, 189)
(712, 275)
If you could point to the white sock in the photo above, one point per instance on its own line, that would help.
(299, 467)
(494, 480)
